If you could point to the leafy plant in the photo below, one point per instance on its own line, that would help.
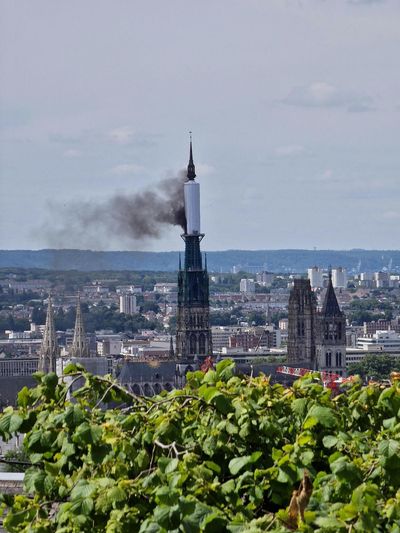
(225, 453)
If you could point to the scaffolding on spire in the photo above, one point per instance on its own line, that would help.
(49, 350)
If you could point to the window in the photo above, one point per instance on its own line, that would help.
(192, 343)
(338, 358)
(202, 343)
(328, 359)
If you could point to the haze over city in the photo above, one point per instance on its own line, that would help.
(294, 107)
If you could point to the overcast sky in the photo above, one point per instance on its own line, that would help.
(294, 105)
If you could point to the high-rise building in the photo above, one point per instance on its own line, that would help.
(193, 336)
(265, 278)
(247, 286)
(49, 350)
(339, 278)
(80, 346)
(315, 275)
(301, 325)
(127, 304)
(331, 334)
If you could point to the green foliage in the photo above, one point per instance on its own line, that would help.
(375, 366)
(223, 454)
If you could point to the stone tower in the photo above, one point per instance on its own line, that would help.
(80, 347)
(49, 350)
(193, 336)
(331, 334)
(301, 325)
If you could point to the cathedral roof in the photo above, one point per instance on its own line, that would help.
(330, 307)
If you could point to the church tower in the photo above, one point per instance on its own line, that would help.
(331, 334)
(49, 350)
(301, 324)
(80, 347)
(193, 337)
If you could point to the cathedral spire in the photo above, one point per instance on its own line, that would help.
(191, 171)
(80, 346)
(330, 307)
(171, 348)
(49, 349)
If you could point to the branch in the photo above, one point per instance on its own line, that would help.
(170, 447)
(187, 397)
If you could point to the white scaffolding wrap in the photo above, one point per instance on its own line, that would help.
(192, 207)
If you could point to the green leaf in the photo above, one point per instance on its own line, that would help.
(34, 480)
(238, 463)
(24, 397)
(15, 423)
(323, 415)
(330, 523)
(213, 523)
(329, 441)
(5, 424)
(213, 466)
(167, 465)
(389, 448)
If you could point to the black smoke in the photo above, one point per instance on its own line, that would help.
(132, 217)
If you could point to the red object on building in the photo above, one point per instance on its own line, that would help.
(329, 379)
(207, 364)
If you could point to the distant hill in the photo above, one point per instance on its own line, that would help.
(224, 261)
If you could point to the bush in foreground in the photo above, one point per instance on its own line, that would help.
(224, 454)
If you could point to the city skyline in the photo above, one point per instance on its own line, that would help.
(294, 107)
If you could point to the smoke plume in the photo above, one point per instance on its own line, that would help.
(130, 217)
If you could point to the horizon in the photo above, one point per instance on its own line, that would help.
(205, 250)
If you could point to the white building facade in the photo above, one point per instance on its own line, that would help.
(127, 304)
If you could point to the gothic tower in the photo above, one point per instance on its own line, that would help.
(301, 324)
(80, 347)
(49, 350)
(193, 337)
(331, 334)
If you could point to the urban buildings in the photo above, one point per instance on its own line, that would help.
(316, 339)
(301, 325)
(247, 286)
(127, 304)
(315, 275)
(331, 334)
(339, 278)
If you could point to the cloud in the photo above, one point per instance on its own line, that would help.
(122, 135)
(127, 168)
(321, 94)
(71, 153)
(290, 150)
(360, 2)
(391, 215)
(202, 169)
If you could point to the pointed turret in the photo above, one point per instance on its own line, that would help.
(330, 307)
(171, 348)
(80, 346)
(191, 171)
(49, 350)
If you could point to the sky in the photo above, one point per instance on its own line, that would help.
(294, 107)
